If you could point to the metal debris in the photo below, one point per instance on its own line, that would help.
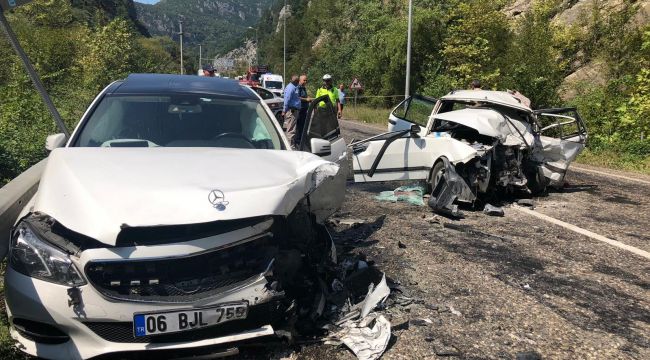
(367, 338)
(493, 210)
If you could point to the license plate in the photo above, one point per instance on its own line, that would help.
(184, 320)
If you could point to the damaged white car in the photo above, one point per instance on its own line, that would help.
(174, 217)
(472, 142)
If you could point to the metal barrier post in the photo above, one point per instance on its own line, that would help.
(4, 24)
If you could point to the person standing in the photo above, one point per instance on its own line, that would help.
(290, 111)
(476, 85)
(341, 99)
(329, 90)
(304, 106)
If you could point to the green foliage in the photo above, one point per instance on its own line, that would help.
(532, 67)
(77, 50)
(110, 54)
(635, 114)
(478, 36)
(459, 40)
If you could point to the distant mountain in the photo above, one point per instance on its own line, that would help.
(218, 25)
(92, 11)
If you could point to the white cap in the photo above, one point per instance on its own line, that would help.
(327, 77)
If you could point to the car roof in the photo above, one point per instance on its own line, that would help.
(142, 84)
(496, 97)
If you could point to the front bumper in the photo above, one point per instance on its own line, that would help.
(100, 326)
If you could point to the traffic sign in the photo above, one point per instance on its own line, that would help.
(10, 4)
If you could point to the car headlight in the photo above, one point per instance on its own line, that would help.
(39, 259)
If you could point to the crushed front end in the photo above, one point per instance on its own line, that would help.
(249, 268)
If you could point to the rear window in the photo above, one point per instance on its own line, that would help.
(179, 121)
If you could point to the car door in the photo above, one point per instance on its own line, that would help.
(405, 152)
(322, 136)
(415, 109)
(563, 136)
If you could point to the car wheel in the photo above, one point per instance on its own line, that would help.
(536, 182)
(437, 174)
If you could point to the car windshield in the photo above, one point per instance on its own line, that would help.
(273, 84)
(179, 121)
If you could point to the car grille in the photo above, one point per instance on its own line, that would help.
(182, 279)
(122, 332)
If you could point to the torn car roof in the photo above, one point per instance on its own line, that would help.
(495, 97)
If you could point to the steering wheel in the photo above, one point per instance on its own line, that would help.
(234, 135)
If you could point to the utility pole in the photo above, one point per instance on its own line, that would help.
(257, 46)
(200, 57)
(407, 90)
(180, 33)
(4, 24)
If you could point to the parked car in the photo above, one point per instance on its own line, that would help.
(274, 102)
(175, 217)
(471, 142)
(273, 82)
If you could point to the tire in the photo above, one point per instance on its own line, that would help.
(437, 173)
(537, 183)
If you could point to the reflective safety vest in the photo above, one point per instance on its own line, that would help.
(333, 94)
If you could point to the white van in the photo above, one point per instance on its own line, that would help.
(273, 82)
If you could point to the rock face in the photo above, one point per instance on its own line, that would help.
(245, 54)
(592, 72)
(218, 25)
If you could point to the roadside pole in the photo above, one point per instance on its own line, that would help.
(38, 84)
(200, 57)
(407, 90)
(284, 61)
(180, 33)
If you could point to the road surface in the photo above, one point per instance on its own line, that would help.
(499, 287)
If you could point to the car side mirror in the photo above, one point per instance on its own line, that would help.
(55, 141)
(415, 130)
(321, 147)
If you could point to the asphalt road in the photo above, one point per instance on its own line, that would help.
(513, 286)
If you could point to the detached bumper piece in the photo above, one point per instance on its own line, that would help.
(450, 188)
(182, 279)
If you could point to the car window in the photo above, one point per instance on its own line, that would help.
(323, 123)
(415, 110)
(559, 126)
(264, 94)
(178, 121)
(273, 84)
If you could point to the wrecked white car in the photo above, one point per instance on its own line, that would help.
(174, 217)
(472, 142)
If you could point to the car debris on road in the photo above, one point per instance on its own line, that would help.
(409, 194)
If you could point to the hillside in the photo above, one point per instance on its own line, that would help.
(594, 54)
(77, 47)
(218, 25)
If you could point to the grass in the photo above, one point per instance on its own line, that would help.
(601, 158)
(615, 160)
(366, 114)
(8, 349)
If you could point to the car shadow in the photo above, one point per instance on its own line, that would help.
(601, 307)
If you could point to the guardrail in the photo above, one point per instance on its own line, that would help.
(13, 198)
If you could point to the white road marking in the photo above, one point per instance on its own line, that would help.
(579, 169)
(584, 232)
(376, 127)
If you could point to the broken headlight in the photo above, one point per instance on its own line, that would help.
(31, 256)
